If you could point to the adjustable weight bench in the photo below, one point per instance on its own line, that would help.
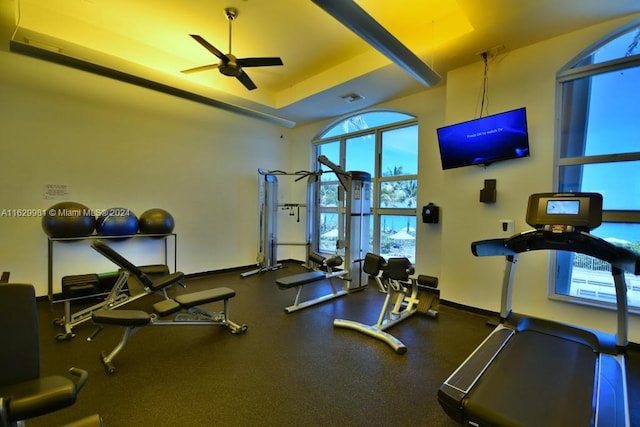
(186, 309)
(299, 280)
(132, 283)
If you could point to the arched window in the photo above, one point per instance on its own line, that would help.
(385, 145)
(598, 150)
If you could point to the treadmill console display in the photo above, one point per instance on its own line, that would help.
(563, 207)
(581, 211)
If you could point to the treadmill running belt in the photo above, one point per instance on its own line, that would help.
(554, 387)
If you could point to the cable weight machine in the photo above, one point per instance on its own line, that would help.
(267, 259)
(354, 212)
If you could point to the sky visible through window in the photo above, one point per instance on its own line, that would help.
(614, 126)
(391, 138)
(398, 150)
(608, 126)
(358, 122)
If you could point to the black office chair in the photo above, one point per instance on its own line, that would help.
(24, 393)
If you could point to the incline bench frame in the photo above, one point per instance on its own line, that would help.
(186, 309)
(123, 291)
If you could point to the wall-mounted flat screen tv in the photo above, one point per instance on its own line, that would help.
(485, 140)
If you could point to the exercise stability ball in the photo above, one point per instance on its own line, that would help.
(68, 219)
(117, 222)
(156, 221)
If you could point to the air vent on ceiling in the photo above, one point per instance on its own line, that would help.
(352, 97)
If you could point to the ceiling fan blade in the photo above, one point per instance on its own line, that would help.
(210, 47)
(201, 68)
(245, 80)
(258, 62)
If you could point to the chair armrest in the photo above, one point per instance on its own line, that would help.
(82, 375)
(3, 413)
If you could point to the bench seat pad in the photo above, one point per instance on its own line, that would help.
(203, 297)
(166, 307)
(121, 317)
(300, 279)
(166, 281)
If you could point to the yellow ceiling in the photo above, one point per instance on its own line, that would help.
(322, 59)
(154, 33)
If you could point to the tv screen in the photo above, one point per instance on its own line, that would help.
(485, 140)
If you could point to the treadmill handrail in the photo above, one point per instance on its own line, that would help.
(571, 241)
(491, 247)
(619, 258)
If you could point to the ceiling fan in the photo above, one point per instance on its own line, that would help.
(229, 65)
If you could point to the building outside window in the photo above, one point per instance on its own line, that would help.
(385, 145)
(598, 150)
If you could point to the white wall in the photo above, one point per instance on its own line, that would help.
(116, 144)
(524, 77)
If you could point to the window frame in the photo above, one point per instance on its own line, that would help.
(376, 179)
(571, 72)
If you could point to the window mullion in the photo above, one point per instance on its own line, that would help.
(598, 68)
(604, 158)
(621, 216)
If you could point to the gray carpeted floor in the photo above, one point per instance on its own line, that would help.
(287, 369)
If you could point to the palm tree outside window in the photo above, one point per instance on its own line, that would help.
(385, 145)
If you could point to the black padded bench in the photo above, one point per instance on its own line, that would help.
(299, 280)
(194, 299)
(187, 311)
(163, 308)
(186, 307)
(115, 290)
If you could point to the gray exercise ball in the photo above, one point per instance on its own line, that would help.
(67, 220)
(156, 221)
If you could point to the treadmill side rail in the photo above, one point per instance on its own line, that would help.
(611, 398)
(457, 386)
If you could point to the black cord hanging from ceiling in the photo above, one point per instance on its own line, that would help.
(484, 104)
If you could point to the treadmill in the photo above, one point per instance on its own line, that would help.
(536, 372)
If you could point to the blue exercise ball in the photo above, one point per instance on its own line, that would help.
(117, 222)
(68, 219)
(156, 221)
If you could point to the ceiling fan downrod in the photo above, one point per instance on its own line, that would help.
(231, 13)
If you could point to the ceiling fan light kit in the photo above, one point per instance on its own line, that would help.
(229, 64)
